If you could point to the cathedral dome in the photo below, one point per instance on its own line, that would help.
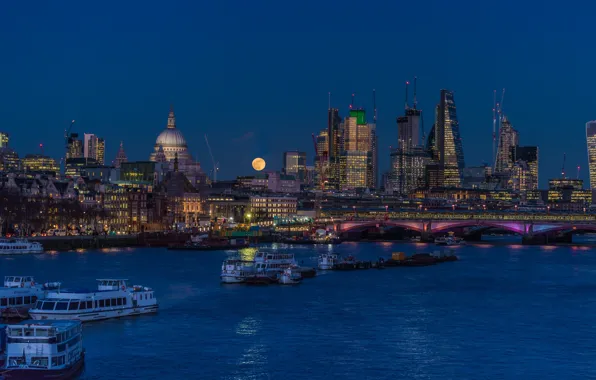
(171, 138)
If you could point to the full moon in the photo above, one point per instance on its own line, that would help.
(258, 164)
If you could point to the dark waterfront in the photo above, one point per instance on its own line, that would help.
(505, 312)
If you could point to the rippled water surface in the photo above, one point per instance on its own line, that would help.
(502, 312)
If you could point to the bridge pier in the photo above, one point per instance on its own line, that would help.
(543, 239)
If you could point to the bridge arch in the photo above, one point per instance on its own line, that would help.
(352, 226)
(516, 227)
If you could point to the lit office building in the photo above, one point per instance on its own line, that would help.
(357, 163)
(3, 140)
(334, 147)
(591, 142)
(524, 174)
(448, 141)
(321, 160)
(39, 163)
(408, 170)
(94, 147)
(294, 163)
(508, 140)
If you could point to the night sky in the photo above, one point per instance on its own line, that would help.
(254, 75)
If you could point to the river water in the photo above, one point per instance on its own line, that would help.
(501, 312)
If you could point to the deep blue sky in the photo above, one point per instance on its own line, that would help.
(254, 75)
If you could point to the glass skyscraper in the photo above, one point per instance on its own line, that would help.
(591, 142)
(448, 141)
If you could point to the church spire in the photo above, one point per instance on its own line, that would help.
(171, 118)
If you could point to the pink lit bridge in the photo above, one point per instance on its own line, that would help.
(532, 227)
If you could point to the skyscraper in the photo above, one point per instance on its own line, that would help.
(409, 160)
(94, 147)
(75, 146)
(448, 141)
(3, 139)
(295, 164)
(334, 147)
(524, 172)
(357, 164)
(508, 141)
(321, 161)
(591, 142)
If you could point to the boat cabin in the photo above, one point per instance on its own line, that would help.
(43, 344)
(18, 281)
(111, 284)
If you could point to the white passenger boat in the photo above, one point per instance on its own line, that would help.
(113, 299)
(327, 261)
(20, 293)
(289, 277)
(273, 261)
(236, 271)
(19, 247)
(43, 350)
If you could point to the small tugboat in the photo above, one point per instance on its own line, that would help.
(288, 277)
(20, 293)
(19, 247)
(43, 350)
(451, 239)
(399, 259)
(112, 299)
(327, 261)
(236, 271)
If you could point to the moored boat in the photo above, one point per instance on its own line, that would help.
(327, 261)
(20, 293)
(112, 299)
(43, 350)
(19, 247)
(289, 277)
(236, 271)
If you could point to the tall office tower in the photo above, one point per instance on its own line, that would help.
(508, 139)
(94, 147)
(3, 140)
(295, 164)
(409, 160)
(591, 141)
(448, 141)
(356, 163)
(374, 166)
(524, 173)
(321, 161)
(334, 147)
(75, 146)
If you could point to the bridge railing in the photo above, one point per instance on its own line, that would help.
(484, 216)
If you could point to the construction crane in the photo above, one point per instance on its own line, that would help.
(215, 165)
(321, 159)
(563, 167)
(577, 171)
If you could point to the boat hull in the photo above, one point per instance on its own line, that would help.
(232, 279)
(23, 252)
(207, 248)
(15, 312)
(44, 374)
(95, 315)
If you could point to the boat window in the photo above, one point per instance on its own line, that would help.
(62, 306)
(17, 279)
(33, 299)
(29, 331)
(74, 305)
(48, 305)
(101, 303)
(89, 304)
(29, 279)
(39, 362)
(124, 301)
(83, 305)
(9, 279)
(3, 302)
(27, 300)
(42, 332)
(57, 361)
(119, 301)
(16, 331)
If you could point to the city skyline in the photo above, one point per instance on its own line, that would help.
(123, 95)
